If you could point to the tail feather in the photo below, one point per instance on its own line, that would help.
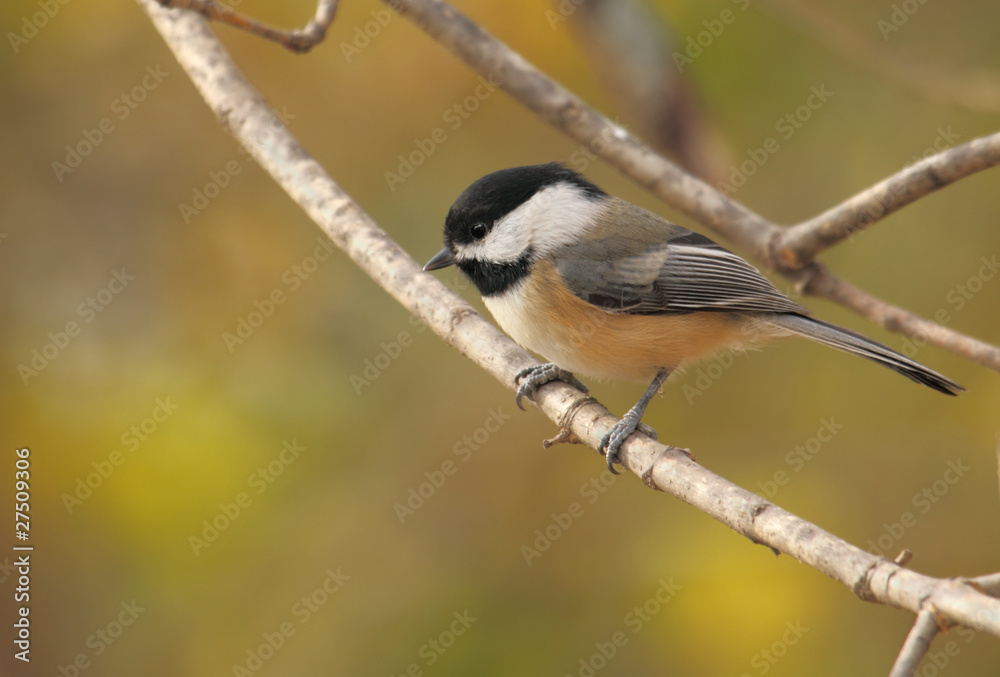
(856, 344)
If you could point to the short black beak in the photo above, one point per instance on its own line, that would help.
(442, 259)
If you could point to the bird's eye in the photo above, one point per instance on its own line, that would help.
(479, 230)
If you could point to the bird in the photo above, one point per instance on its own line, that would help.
(604, 288)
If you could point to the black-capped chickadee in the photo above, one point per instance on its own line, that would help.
(604, 288)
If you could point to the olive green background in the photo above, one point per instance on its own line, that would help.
(328, 512)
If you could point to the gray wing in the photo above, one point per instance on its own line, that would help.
(682, 273)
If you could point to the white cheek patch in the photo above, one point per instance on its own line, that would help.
(555, 216)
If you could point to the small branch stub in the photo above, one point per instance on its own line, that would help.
(299, 41)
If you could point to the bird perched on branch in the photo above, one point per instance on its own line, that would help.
(604, 288)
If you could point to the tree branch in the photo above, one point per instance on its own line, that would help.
(244, 113)
(797, 246)
(918, 641)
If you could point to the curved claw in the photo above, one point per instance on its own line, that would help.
(521, 392)
(621, 431)
(530, 379)
(526, 388)
(610, 449)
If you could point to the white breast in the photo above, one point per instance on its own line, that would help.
(508, 309)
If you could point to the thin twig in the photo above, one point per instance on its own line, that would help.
(298, 41)
(924, 629)
(566, 112)
(797, 246)
(246, 116)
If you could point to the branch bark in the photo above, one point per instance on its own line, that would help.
(918, 641)
(244, 113)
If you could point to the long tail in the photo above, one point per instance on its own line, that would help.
(856, 344)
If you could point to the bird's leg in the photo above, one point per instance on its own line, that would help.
(530, 379)
(613, 440)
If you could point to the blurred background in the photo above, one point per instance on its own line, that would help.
(322, 487)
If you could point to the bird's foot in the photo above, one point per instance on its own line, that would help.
(530, 379)
(648, 431)
(611, 443)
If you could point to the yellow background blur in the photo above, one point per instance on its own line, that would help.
(327, 513)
